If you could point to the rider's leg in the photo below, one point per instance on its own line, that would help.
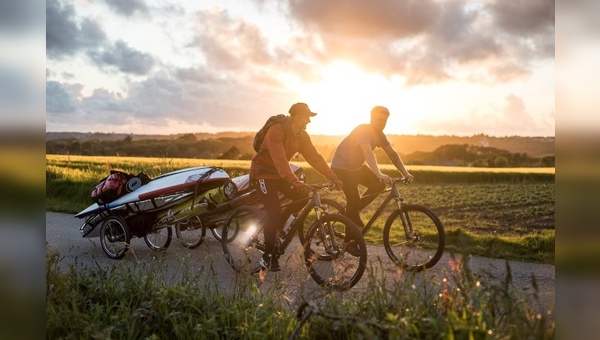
(295, 195)
(350, 181)
(268, 193)
(367, 178)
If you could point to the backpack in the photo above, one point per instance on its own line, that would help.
(260, 135)
(111, 187)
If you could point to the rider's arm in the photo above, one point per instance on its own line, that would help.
(372, 162)
(314, 158)
(397, 161)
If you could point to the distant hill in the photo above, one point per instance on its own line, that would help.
(85, 136)
(404, 144)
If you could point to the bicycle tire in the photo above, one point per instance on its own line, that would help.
(243, 239)
(217, 232)
(115, 237)
(159, 239)
(333, 266)
(424, 247)
(190, 233)
(304, 219)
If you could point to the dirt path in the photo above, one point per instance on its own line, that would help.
(62, 235)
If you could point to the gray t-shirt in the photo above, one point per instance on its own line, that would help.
(349, 155)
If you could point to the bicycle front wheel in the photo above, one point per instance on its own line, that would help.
(307, 216)
(335, 252)
(217, 232)
(414, 238)
(243, 240)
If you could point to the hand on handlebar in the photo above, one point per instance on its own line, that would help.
(336, 181)
(302, 187)
(406, 179)
(385, 178)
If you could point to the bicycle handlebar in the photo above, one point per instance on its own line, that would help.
(401, 180)
(326, 185)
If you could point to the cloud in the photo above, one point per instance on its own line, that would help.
(427, 42)
(509, 118)
(230, 44)
(58, 100)
(183, 100)
(529, 24)
(127, 7)
(524, 18)
(124, 58)
(64, 36)
(366, 19)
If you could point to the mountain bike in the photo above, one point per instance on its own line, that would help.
(324, 246)
(413, 235)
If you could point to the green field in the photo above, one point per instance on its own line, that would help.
(501, 213)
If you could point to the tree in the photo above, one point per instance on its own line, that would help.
(480, 163)
(173, 151)
(547, 161)
(188, 137)
(190, 152)
(232, 153)
(501, 162)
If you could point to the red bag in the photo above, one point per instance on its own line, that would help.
(110, 188)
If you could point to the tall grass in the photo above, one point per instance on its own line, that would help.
(122, 302)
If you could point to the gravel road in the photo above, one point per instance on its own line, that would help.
(62, 235)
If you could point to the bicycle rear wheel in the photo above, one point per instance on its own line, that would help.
(335, 252)
(243, 240)
(159, 239)
(414, 238)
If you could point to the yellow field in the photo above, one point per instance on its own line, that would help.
(186, 162)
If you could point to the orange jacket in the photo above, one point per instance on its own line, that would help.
(272, 159)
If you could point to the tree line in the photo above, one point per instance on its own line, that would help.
(240, 148)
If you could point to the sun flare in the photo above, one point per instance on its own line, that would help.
(343, 98)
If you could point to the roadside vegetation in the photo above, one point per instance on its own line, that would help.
(124, 302)
(500, 213)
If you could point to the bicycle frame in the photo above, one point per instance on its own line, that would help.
(394, 194)
(318, 209)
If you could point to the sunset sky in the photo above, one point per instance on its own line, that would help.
(455, 67)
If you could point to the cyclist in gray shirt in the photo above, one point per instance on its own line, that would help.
(349, 159)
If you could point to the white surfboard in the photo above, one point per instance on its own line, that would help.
(165, 185)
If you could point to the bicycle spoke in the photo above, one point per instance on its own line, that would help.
(242, 242)
(414, 238)
(326, 255)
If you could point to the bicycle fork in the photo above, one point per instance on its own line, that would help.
(326, 233)
(405, 218)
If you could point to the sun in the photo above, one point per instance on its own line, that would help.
(343, 98)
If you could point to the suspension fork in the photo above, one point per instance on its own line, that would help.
(404, 217)
(326, 233)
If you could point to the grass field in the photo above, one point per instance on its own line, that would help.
(501, 213)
